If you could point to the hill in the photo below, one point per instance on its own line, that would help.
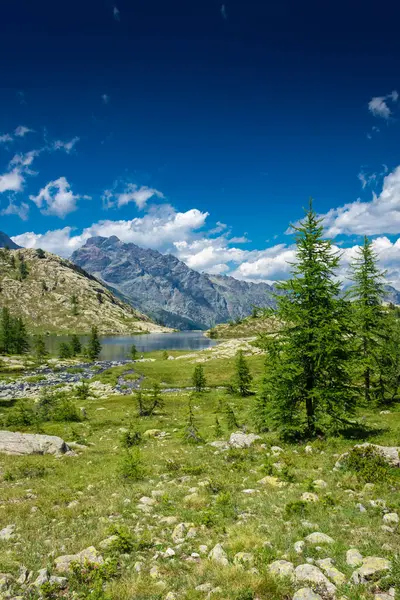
(54, 295)
(166, 288)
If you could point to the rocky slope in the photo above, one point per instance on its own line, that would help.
(166, 288)
(54, 295)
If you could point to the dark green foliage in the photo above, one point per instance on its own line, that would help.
(64, 350)
(191, 433)
(131, 438)
(297, 508)
(165, 355)
(54, 405)
(147, 404)
(132, 468)
(21, 415)
(74, 304)
(369, 316)
(199, 379)
(125, 543)
(368, 464)
(243, 376)
(39, 347)
(308, 383)
(133, 352)
(260, 412)
(76, 345)
(13, 335)
(44, 286)
(217, 428)
(230, 417)
(23, 270)
(94, 345)
(212, 334)
(82, 390)
(40, 253)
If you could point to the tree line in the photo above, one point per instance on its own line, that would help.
(333, 350)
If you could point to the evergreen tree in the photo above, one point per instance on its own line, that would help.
(23, 269)
(133, 352)
(307, 382)
(65, 350)
(230, 417)
(368, 293)
(199, 379)
(39, 347)
(76, 345)
(20, 342)
(6, 334)
(243, 376)
(191, 432)
(74, 303)
(94, 345)
(40, 253)
(388, 359)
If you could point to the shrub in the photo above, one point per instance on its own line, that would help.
(22, 415)
(124, 542)
(54, 405)
(132, 468)
(82, 390)
(131, 438)
(296, 508)
(368, 464)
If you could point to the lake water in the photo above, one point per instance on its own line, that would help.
(118, 347)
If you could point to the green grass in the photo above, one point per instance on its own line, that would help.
(107, 480)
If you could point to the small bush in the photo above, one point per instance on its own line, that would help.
(82, 390)
(368, 464)
(22, 415)
(132, 468)
(131, 438)
(296, 509)
(124, 543)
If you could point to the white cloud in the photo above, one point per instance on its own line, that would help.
(67, 146)
(116, 13)
(381, 215)
(5, 138)
(224, 13)
(21, 210)
(25, 160)
(21, 131)
(130, 193)
(56, 198)
(12, 181)
(105, 98)
(378, 105)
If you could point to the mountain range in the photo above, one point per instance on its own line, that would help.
(165, 288)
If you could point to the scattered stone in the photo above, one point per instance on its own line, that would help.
(272, 481)
(308, 449)
(361, 508)
(306, 594)
(382, 596)
(371, 566)
(204, 587)
(320, 484)
(108, 542)
(219, 555)
(391, 518)
(242, 440)
(179, 533)
(169, 520)
(170, 595)
(326, 564)
(7, 533)
(309, 497)
(90, 555)
(152, 433)
(282, 568)
(147, 501)
(31, 443)
(390, 453)
(243, 558)
(299, 547)
(319, 538)
(276, 450)
(311, 574)
(354, 557)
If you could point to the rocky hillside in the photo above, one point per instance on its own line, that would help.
(166, 288)
(54, 295)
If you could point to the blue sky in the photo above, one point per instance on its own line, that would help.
(200, 128)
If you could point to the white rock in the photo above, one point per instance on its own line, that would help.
(89, 555)
(371, 566)
(276, 450)
(308, 449)
(281, 568)
(243, 558)
(311, 574)
(309, 497)
(7, 533)
(31, 443)
(392, 518)
(242, 440)
(306, 594)
(218, 555)
(354, 557)
(326, 564)
(320, 484)
(299, 547)
(319, 538)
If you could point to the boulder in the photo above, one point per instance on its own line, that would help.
(354, 557)
(218, 555)
(89, 555)
(306, 594)
(311, 574)
(319, 538)
(242, 440)
(7, 533)
(371, 567)
(282, 568)
(327, 566)
(31, 443)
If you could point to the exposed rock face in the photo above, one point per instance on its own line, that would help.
(57, 296)
(166, 288)
(30, 443)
